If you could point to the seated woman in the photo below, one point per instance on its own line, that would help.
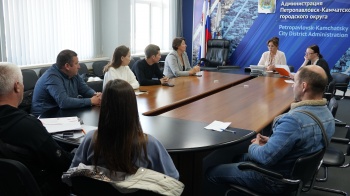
(177, 63)
(119, 143)
(118, 68)
(314, 57)
(272, 57)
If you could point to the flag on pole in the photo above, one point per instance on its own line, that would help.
(207, 27)
(206, 30)
(217, 21)
(201, 50)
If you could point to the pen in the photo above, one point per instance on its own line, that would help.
(83, 131)
(229, 131)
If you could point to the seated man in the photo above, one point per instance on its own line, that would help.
(146, 69)
(62, 86)
(294, 134)
(25, 139)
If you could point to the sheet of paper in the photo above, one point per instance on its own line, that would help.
(54, 125)
(140, 92)
(289, 81)
(218, 125)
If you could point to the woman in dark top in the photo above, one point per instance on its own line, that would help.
(314, 57)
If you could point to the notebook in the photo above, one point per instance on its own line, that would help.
(283, 70)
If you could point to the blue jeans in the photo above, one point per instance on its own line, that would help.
(230, 174)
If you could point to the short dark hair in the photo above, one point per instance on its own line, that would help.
(177, 42)
(151, 50)
(316, 81)
(65, 56)
(274, 40)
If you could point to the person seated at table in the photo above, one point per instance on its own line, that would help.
(118, 68)
(273, 57)
(119, 143)
(25, 139)
(294, 134)
(314, 57)
(147, 69)
(61, 86)
(177, 63)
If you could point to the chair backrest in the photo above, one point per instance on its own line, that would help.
(16, 179)
(42, 71)
(306, 167)
(29, 80)
(217, 52)
(341, 81)
(83, 69)
(333, 106)
(97, 68)
(85, 186)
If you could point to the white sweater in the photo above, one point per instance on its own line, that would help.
(123, 73)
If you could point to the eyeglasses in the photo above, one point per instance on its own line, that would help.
(306, 53)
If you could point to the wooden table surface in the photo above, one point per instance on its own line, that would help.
(251, 105)
(160, 99)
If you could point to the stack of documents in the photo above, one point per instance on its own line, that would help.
(54, 125)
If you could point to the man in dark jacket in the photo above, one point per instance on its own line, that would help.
(25, 139)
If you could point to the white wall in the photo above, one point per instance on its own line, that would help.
(115, 25)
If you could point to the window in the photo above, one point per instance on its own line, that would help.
(151, 23)
(34, 31)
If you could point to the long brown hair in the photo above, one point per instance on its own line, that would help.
(119, 52)
(119, 140)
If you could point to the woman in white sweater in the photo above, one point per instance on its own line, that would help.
(118, 68)
(273, 57)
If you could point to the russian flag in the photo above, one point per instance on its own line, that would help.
(206, 30)
(207, 26)
(201, 50)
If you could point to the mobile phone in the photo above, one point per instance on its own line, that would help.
(198, 75)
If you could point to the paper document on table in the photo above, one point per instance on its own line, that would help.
(218, 125)
(54, 125)
(289, 81)
(140, 92)
(283, 70)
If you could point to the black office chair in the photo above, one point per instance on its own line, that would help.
(302, 175)
(83, 69)
(341, 82)
(217, 53)
(29, 80)
(334, 157)
(97, 68)
(85, 186)
(42, 71)
(16, 179)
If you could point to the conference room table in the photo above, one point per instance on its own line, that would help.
(159, 99)
(251, 105)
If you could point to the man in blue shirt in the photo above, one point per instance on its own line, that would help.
(147, 69)
(294, 134)
(61, 86)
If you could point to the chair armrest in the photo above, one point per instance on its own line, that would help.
(252, 166)
(338, 123)
(340, 140)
